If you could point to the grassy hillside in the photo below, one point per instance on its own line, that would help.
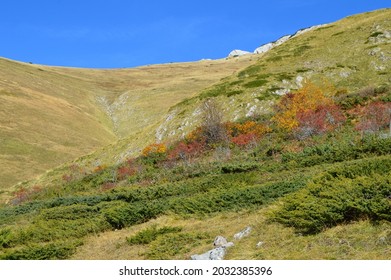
(52, 115)
(317, 188)
(46, 119)
(349, 54)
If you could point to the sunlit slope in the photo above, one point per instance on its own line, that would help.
(45, 119)
(349, 54)
(52, 115)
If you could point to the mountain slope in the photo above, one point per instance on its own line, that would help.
(52, 115)
(175, 198)
(46, 119)
(349, 54)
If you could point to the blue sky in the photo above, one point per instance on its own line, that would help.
(119, 33)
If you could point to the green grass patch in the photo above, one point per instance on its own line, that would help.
(299, 51)
(255, 83)
(167, 246)
(150, 234)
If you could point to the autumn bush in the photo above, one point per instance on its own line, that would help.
(375, 117)
(184, 150)
(292, 105)
(23, 194)
(154, 152)
(246, 134)
(320, 120)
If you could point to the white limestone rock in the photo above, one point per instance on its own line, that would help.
(267, 47)
(236, 53)
(282, 40)
(264, 48)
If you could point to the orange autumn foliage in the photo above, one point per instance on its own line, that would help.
(154, 149)
(309, 97)
(248, 127)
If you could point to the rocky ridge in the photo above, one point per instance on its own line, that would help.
(267, 47)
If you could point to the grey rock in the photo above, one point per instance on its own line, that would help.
(243, 233)
(219, 241)
(215, 254)
(383, 240)
(282, 91)
(299, 80)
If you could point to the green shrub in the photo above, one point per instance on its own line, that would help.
(49, 251)
(6, 238)
(375, 34)
(340, 195)
(150, 234)
(239, 167)
(255, 83)
(348, 149)
(284, 76)
(236, 197)
(233, 92)
(120, 214)
(167, 246)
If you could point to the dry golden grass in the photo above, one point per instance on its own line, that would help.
(52, 115)
(358, 240)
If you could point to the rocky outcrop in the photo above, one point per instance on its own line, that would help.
(212, 255)
(221, 245)
(267, 47)
(264, 48)
(236, 53)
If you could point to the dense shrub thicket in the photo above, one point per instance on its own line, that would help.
(359, 190)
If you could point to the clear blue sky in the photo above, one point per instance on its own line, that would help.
(119, 33)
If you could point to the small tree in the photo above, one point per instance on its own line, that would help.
(212, 126)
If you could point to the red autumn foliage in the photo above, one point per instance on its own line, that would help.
(67, 177)
(244, 140)
(23, 194)
(108, 186)
(375, 117)
(323, 119)
(125, 171)
(186, 151)
(244, 134)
